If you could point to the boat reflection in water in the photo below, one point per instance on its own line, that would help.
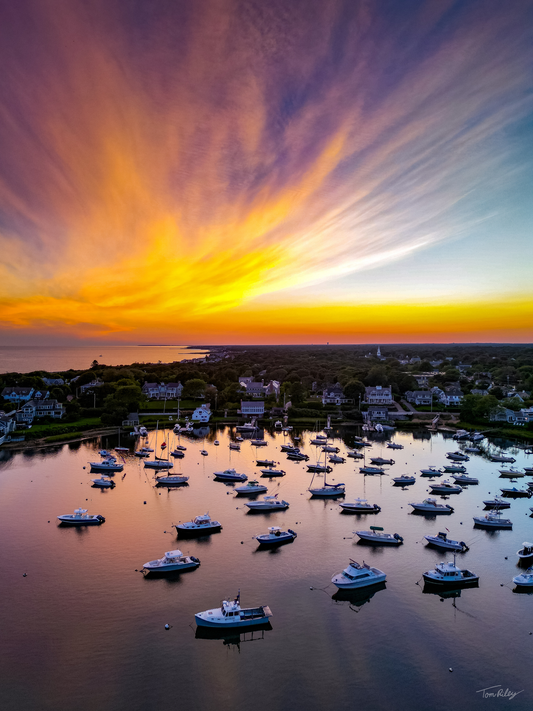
(430, 589)
(358, 596)
(234, 637)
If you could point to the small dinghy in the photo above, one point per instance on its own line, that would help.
(276, 537)
(80, 517)
(441, 540)
(377, 537)
(200, 526)
(359, 506)
(204, 452)
(231, 615)
(358, 576)
(235, 447)
(526, 552)
(524, 580)
(172, 562)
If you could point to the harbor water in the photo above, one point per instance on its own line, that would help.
(82, 627)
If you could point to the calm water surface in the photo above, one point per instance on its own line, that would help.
(85, 630)
(25, 359)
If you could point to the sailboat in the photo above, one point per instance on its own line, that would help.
(157, 463)
(326, 489)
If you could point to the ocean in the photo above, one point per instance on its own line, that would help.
(25, 359)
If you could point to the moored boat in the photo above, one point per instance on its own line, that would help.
(265, 462)
(394, 445)
(172, 562)
(448, 574)
(497, 503)
(431, 471)
(445, 487)
(404, 480)
(454, 469)
(103, 483)
(441, 540)
(358, 575)
(80, 517)
(371, 470)
(230, 475)
(430, 506)
(107, 465)
(268, 503)
(380, 461)
(359, 506)
(231, 614)
(276, 537)
(158, 464)
(377, 537)
(272, 472)
(202, 525)
(464, 479)
(493, 520)
(171, 480)
(515, 493)
(511, 473)
(526, 552)
(251, 488)
(524, 579)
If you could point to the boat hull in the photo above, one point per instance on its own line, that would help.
(358, 585)
(67, 521)
(249, 618)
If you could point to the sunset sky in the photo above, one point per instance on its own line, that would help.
(244, 171)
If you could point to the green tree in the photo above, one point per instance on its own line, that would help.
(194, 388)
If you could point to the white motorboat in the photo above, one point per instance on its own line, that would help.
(371, 470)
(247, 427)
(524, 579)
(230, 475)
(445, 487)
(103, 483)
(238, 438)
(393, 445)
(143, 431)
(276, 537)
(251, 488)
(258, 443)
(377, 537)
(268, 503)
(358, 576)
(80, 517)
(356, 455)
(511, 473)
(431, 471)
(464, 479)
(502, 458)
(105, 453)
(526, 552)
(278, 424)
(430, 506)
(330, 449)
(289, 449)
(200, 526)
(457, 456)
(515, 493)
(359, 506)
(298, 457)
(448, 574)
(493, 520)
(171, 480)
(335, 459)
(327, 490)
(380, 461)
(404, 480)
(441, 540)
(107, 465)
(158, 464)
(204, 452)
(454, 469)
(265, 462)
(319, 468)
(172, 562)
(235, 446)
(231, 615)
(497, 503)
(272, 472)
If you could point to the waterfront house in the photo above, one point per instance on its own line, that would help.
(202, 413)
(255, 389)
(256, 408)
(451, 396)
(17, 394)
(334, 395)
(160, 391)
(97, 383)
(375, 413)
(379, 395)
(419, 397)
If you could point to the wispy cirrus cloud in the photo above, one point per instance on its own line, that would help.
(176, 157)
